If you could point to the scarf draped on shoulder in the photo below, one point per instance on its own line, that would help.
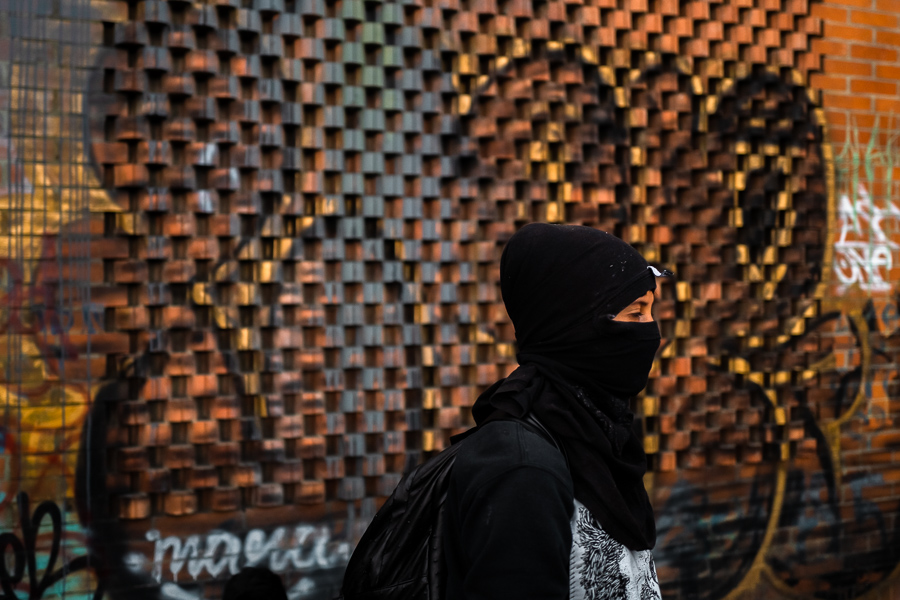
(605, 455)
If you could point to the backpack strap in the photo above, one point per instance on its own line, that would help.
(529, 421)
(533, 423)
(536, 424)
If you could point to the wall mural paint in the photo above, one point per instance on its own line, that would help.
(45, 378)
(865, 250)
(249, 251)
(865, 262)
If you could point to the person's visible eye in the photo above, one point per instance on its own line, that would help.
(638, 311)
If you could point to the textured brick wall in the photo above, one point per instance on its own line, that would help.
(250, 252)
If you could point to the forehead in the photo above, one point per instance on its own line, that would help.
(645, 299)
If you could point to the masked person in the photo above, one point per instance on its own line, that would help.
(546, 498)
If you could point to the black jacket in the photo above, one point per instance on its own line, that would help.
(507, 530)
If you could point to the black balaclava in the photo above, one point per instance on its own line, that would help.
(562, 286)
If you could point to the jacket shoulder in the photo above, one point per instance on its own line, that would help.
(499, 447)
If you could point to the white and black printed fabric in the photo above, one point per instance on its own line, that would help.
(603, 569)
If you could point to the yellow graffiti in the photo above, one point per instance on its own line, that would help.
(45, 183)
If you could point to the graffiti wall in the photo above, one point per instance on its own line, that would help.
(248, 273)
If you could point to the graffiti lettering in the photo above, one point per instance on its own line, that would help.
(21, 553)
(306, 547)
(864, 254)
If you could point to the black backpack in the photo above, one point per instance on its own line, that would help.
(399, 556)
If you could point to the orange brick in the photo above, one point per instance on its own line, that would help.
(827, 12)
(863, 121)
(887, 72)
(832, 100)
(891, 6)
(873, 19)
(887, 105)
(828, 82)
(873, 53)
(835, 119)
(856, 3)
(848, 32)
(872, 86)
(834, 66)
(829, 47)
(889, 38)
(837, 136)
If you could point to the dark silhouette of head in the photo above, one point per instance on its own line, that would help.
(254, 583)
